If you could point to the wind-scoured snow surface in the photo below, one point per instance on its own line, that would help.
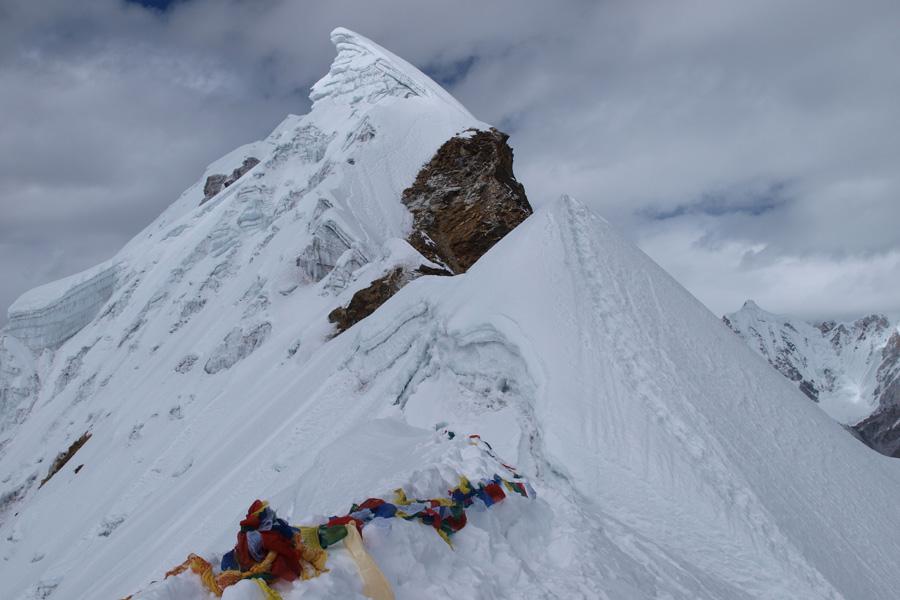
(669, 460)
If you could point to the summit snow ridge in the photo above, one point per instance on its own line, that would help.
(632, 398)
(364, 71)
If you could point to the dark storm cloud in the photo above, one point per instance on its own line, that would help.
(748, 147)
(753, 202)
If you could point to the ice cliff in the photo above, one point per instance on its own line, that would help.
(47, 316)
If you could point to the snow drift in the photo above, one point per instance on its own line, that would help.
(670, 461)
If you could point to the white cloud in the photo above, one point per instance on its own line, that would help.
(640, 109)
(815, 286)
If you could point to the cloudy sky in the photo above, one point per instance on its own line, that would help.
(751, 148)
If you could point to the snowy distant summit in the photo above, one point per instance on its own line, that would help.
(306, 322)
(832, 363)
(850, 369)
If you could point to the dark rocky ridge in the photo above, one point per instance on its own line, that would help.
(63, 457)
(881, 430)
(367, 300)
(839, 334)
(216, 183)
(463, 201)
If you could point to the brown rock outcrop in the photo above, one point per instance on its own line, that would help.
(216, 183)
(365, 301)
(465, 199)
(63, 457)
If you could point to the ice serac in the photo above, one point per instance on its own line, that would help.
(48, 315)
(363, 73)
(19, 382)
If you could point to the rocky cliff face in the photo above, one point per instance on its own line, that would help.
(465, 199)
(881, 430)
(367, 300)
(851, 369)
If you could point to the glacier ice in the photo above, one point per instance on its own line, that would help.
(47, 316)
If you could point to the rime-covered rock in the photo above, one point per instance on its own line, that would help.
(218, 182)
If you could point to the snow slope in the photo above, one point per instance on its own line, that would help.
(325, 198)
(670, 461)
(835, 364)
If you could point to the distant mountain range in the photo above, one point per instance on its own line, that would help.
(851, 369)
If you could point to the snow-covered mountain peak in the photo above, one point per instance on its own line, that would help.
(364, 73)
(750, 305)
(851, 335)
(245, 268)
(286, 229)
(835, 364)
(325, 188)
(852, 369)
